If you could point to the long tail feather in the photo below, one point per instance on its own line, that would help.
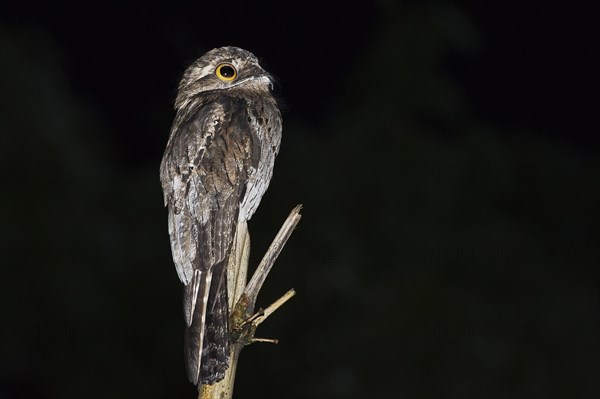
(215, 354)
(206, 336)
(195, 303)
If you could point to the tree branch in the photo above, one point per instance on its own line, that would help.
(267, 262)
(242, 299)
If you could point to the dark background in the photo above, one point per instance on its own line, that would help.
(445, 153)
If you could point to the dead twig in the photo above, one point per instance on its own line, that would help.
(242, 301)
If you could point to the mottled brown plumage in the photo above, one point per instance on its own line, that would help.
(216, 167)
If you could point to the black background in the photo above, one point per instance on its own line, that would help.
(445, 153)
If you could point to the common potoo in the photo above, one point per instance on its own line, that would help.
(214, 172)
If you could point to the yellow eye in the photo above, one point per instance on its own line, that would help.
(226, 72)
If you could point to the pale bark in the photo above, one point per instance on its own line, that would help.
(242, 299)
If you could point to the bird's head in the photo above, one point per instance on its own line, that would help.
(224, 68)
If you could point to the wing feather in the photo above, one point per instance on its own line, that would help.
(183, 182)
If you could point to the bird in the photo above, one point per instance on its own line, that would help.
(216, 167)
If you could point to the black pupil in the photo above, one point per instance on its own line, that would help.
(227, 71)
